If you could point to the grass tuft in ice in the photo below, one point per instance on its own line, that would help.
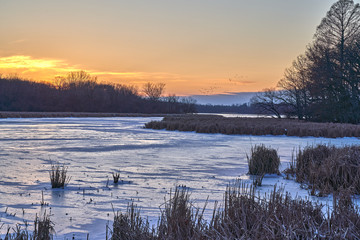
(130, 225)
(116, 177)
(263, 160)
(58, 176)
(180, 219)
(43, 228)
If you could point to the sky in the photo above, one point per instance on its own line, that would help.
(195, 47)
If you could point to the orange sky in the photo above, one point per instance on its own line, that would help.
(195, 47)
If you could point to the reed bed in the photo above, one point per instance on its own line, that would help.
(327, 169)
(245, 215)
(254, 126)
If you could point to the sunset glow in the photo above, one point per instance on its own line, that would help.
(216, 47)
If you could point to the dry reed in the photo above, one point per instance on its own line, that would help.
(243, 215)
(43, 230)
(116, 177)
(263, 160)
(254, 126)
(246, 215)
(58, 176)
(328, 169)
(131, 225)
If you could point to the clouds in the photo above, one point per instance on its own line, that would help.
(45, 69)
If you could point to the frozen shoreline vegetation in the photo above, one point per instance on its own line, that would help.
(254, 126)
(151, 162)
(243, 214)
(72, 114)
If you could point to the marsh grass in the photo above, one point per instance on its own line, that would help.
(291, 169)
(327, 169)
(130, 225)
(244, 215)
(180, 219)
(58, 176)
(254, 126)
(263, 160)
(116, 177)
(43, 230)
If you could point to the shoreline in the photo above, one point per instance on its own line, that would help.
(76, 114)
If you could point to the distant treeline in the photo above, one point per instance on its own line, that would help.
(80, 92)
(235, 108)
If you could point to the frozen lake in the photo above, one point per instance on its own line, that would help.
(151, 163)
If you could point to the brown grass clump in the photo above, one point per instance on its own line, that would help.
(254, 126)
(131, 225)
(329, 169)
(344, 222)
(58, 176)
(309, 160)
(43, 230)
(247, 216)
(179, 219)
(116, 177)
(263, 160)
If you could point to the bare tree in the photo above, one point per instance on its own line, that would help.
(74, 80)
(323, 84)
(332, 53)
(188, 104)
(267, 101)
(173, 103)
(340, 27)
(295, 87)
(154, 90)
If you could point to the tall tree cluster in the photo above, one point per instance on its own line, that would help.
(323, 84)
(80, 92)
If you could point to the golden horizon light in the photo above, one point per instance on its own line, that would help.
(45, 70)
(217, 47)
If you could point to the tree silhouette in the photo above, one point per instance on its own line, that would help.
(153, 90)
(323, 84)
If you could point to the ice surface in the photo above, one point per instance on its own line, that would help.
(151, 163)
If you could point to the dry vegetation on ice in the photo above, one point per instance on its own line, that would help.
(254, 126)
(151, 163)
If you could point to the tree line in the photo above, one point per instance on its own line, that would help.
(81, 92)
(323, 84)
(234, 108)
